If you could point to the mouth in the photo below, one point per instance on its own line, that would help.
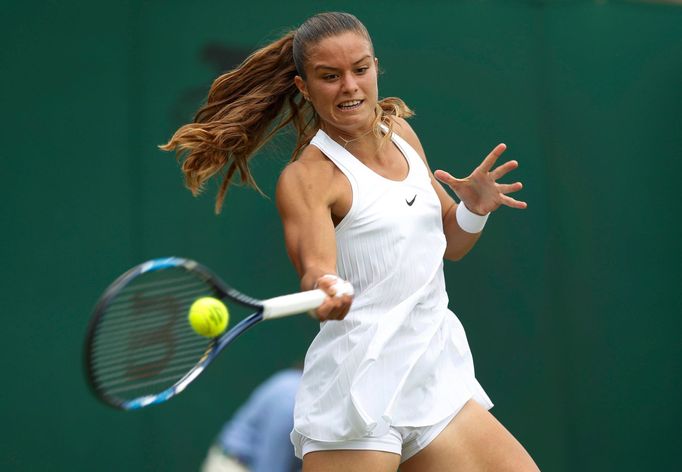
(350, 105)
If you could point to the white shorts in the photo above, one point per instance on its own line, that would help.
(405, 441)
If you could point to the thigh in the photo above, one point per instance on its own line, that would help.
(473, 441)
(347, 460)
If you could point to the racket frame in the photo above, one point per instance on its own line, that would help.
(264, 309)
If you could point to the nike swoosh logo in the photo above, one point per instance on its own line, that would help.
(409, 203)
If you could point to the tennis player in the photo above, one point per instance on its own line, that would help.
(389, 380)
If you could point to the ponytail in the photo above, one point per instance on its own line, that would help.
(241, 114)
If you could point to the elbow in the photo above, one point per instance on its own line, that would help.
(455, 255)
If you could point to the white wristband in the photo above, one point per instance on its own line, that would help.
(468, 221)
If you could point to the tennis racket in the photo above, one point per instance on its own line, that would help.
(140, 349)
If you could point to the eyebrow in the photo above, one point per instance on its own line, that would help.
(322, 66)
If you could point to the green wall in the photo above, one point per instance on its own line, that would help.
(571, 307)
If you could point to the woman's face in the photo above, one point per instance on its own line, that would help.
(341, 82)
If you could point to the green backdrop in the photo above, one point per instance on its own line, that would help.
(571, 307)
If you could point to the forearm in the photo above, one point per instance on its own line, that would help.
(304, 202)
(459, 242)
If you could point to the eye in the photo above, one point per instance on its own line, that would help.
(362, 70)
(330, 77)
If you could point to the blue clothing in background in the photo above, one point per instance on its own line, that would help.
(258, 433)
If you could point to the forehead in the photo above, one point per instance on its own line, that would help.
(336, 51)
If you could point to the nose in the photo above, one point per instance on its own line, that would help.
(349, 83)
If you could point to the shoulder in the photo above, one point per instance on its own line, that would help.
(403, 129)
(310, 171)
(311, 163)
(311, 176)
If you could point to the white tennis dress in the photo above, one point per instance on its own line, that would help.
(400, 357)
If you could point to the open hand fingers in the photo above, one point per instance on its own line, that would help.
(510, 202)
(502, 170)
(509, 188)
(480, 190)
(491, 158)
(446, 178)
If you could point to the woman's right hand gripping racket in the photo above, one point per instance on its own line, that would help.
(140, 349)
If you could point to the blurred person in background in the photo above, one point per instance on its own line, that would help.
(256, 438)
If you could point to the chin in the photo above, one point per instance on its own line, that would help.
(352, 121)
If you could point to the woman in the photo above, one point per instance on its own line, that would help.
(389, 380)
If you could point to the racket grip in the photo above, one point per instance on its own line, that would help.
(292, 304)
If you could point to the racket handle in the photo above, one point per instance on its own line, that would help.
(292, 304)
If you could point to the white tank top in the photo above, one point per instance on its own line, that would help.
(400, 357)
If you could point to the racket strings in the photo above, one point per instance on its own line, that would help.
(145, 386)
(119, 312)
(144, 339)
(180, 365)
(119, 356)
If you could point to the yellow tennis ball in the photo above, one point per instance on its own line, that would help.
(208, 316)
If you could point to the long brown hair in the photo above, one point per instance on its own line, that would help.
(247, 106)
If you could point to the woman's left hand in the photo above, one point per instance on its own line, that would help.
(480, 192)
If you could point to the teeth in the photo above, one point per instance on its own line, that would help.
(350, 104)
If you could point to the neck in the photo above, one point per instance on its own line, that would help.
(347, 140)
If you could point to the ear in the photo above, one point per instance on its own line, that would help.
(376, 63)
(301, 86)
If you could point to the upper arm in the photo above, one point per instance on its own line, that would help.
(304, 201)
